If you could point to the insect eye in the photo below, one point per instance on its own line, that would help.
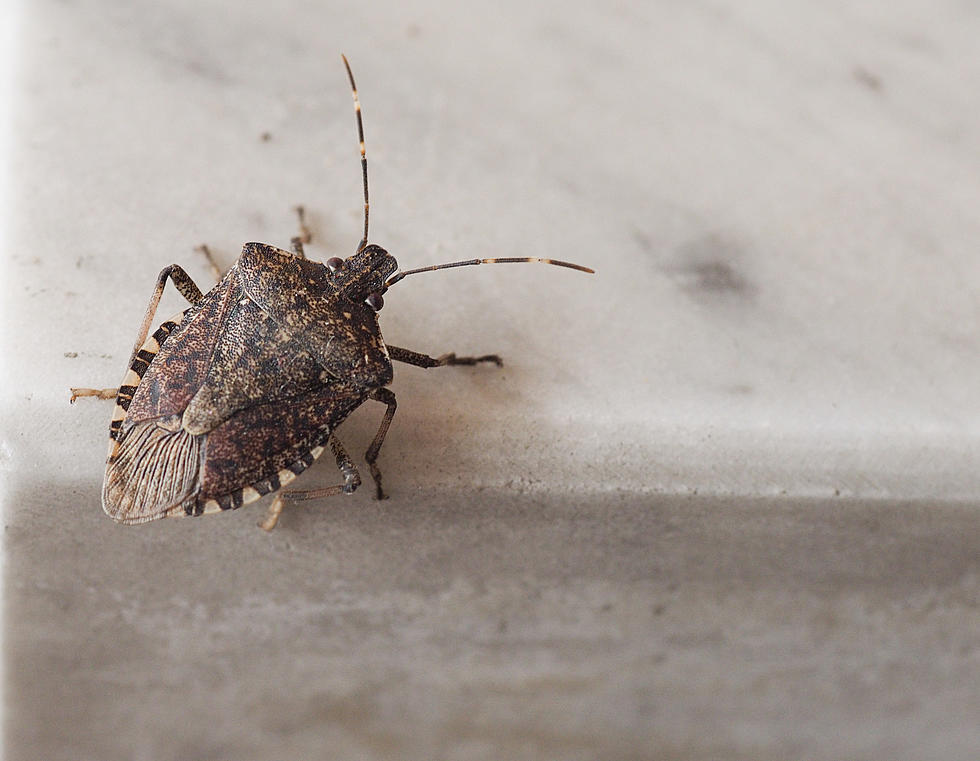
(335, 263)
(375, 301)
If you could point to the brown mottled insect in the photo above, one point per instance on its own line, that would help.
(239, 394)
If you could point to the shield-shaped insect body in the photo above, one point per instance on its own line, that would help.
(239, 394)
(242, 395)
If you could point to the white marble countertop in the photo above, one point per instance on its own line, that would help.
(780, 200)
(780, 204)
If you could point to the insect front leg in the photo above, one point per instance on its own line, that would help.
(424, 360)
(385, 396)
(187, 288)
(352, 480)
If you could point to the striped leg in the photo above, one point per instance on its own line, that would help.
(352, 480)
(187, 289)
(146, 348)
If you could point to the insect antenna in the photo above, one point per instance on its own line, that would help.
(360, 137)
(497, 260)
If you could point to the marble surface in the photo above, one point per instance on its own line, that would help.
(720, 501)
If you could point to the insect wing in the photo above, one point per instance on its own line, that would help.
(221, 408)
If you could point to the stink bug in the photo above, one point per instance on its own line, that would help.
(238, 395)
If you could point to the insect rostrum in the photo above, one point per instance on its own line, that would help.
(242, 392)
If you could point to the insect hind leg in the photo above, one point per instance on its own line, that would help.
(352, 479)
(187, 288)
(184, 285)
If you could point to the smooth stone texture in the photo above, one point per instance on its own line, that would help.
(722, 499)
(498, 625)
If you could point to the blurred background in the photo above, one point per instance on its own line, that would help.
(720, 502)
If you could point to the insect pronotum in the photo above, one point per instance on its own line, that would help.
(240, 393)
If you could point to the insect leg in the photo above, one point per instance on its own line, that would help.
(187, 289)
(101, 393)
(386, 396)
(352, 480)
(212, 263)
(305, 236)
(424, 360)
(184, 285)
